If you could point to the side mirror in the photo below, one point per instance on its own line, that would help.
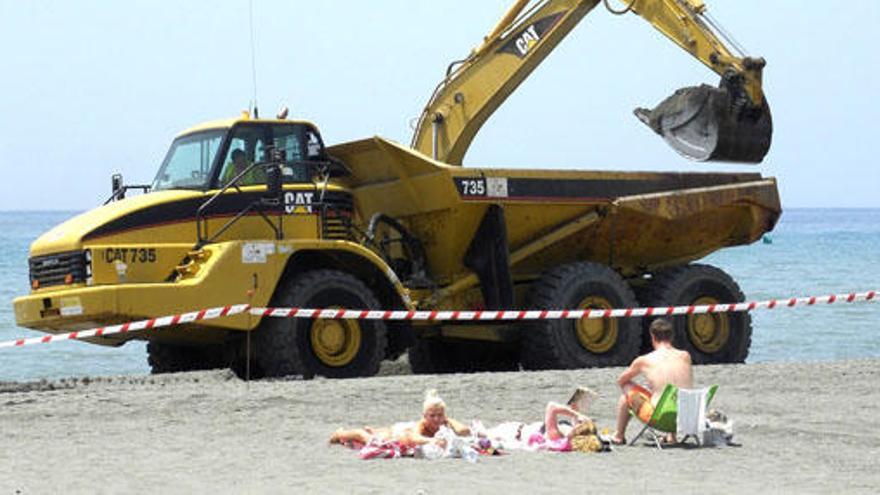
(117, 186)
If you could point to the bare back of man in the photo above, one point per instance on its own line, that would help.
(664, 366)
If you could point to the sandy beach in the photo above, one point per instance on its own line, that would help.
(807, 427)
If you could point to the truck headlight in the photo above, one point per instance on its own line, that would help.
(87, 256)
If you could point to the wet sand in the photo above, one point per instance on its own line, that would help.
(802, 428)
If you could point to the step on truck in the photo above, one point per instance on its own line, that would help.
(259, 211)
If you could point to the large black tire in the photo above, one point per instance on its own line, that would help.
(715, 338)
(573, 344)
(172, 358)
(429, 356)
(292, 346)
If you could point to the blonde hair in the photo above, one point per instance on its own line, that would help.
(432, 400)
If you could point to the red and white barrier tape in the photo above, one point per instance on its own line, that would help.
(569, 314)
(505, 315)
(151, 324)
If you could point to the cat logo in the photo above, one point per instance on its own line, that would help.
(527, 40)
(298, 203)
(524, 41)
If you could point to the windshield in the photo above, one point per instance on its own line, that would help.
(188, 163)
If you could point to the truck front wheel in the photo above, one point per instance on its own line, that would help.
(326, 347)
(585, 343)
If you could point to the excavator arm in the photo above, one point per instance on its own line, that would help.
(728, 123)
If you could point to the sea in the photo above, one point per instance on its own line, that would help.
(811, 252)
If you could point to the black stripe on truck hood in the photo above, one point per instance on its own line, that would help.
(185, 210)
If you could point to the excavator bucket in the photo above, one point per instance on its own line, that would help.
(704, 123)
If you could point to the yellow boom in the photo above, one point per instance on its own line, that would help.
(727, 124)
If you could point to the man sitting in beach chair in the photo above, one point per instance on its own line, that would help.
(680, 414)
(664, 365)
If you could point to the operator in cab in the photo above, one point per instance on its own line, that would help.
(238, 163)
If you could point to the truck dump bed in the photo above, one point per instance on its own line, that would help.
(633, 221)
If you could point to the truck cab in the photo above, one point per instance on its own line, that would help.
(236, 207)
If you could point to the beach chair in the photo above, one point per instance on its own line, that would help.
(665, 419)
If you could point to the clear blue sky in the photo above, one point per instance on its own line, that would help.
(90, 88)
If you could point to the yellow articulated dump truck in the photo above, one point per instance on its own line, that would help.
(259, 211)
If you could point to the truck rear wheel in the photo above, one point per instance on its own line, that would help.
(571, 344)
(325, 347)
(171, 358)
(428, 356)
(710, 338)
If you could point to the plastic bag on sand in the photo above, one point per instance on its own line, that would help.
(429, 451)
(719, 429)
(456, 447)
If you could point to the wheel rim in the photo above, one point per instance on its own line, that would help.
(708, 332)
(597, 335)
(335, 342)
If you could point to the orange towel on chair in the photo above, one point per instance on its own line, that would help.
(638, 399)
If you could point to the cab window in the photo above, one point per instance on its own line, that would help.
(250, 143)
(291, 141)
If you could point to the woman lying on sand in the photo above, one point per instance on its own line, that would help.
(555, 432)
(407, 433)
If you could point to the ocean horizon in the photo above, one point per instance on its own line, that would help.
(812, 252)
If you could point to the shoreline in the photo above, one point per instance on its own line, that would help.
(801, 427)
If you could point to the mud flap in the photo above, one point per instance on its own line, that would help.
(489, 257)
(704, 123)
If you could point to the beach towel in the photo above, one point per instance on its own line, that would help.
(509, 435)
(539, 441)
(691, 413)
(385, 449)
(468, 448)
